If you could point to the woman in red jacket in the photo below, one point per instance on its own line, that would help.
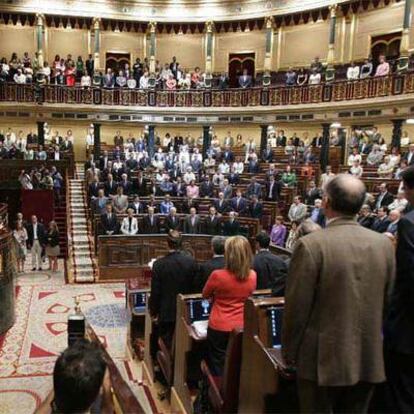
(228, 288)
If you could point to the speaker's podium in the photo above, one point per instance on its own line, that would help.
(262, 386)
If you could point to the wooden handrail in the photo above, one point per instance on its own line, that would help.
(342, 90)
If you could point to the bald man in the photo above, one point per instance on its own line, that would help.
(339, 279)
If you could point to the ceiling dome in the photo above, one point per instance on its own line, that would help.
(169, 10)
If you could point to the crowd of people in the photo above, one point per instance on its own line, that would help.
(69, 71)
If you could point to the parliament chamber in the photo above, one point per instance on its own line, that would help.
(206, 206)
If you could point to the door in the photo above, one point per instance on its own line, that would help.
(117, 61)
(387, 45)
(237, 63)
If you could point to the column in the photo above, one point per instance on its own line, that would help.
(209, 53)
(40, 26)
(152, 27)
(97, 43)
(396, 132)
(330, 71)
(41, 132)
(405, 39)
(268, 51)
(151, 140)
(263, 137)
(324, 155)
(206, 139)
(96, 141)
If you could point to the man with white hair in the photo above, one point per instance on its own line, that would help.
(394, 217)
(189, 176)
(400, 203)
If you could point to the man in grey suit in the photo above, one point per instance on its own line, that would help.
(192, 222)
(338, 282)
(297, 211)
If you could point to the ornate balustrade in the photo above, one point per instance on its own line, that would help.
(253, 97)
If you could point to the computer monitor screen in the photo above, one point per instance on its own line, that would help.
(140, 300)
(198, 309)
(274, 317)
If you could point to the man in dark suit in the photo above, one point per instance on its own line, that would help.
(239, 203)
(151, 224)
(365, 217)
(221, 203)
(227, 155)
(109, 221)
(231, 227)
(312, 193)
(273, 189)
(131, 163)
(172, 221)
(256, 208)
(399, 323)
(212, 224)
(382, 222)
(409, 156)
(281, 139)
(271, 270)
(384, 198)
(93, 188)
(267, 154)
(103, 161)
(125, 184)
(207, 188)
(110, 186)
(99, 203)
(208, 267)
(36, 240)
(140, 185)
(317, 141)
(172, 274)
(334, 306)
(223, 82)
(192, 222)
(137, 205)
(254, 188)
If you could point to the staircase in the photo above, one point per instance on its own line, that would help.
(80, 242)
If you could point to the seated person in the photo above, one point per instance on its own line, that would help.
(386, 169)
(381, 223)
(172, 274)
(356, 170)
(355, 156)
(129, 224)
(228, 288)
(80, 381)
(109, 221)
(270, 269)
(365, 217)
(375, 156)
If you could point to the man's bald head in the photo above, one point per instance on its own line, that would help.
(345, 194)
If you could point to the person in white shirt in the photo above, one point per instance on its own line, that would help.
(19, 77)
(238, 166)
(223, 167)
(90, 138)
(189, 176)
(355, 156)
(353, 72)
(386, 169)
(129, 224)
(85, 81)
(314, 78)
(196, 155)
(356, 170)
(143, 82)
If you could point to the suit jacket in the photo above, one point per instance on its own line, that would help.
(241, 208)
(212, 227)
(125, 226)
(245, 82)
(149, 228)
(189, 228)
(110, 189)
(206, 189)
(271, 272)
(171, 224)
(399, 323)
(267, 155)
(137, 209)
(406, 157)
(281, 141)
(380, 226)
(140, 187)
(366, 221)
(109, 225)
(256, 211)
(387, 199)
(221, 207)
(99, 205)
(312, 195)
(299, 214)
(273, 195)
(231, 229)
(127, 186)
(93, 189)
(171, 275)
(334, 303)
(41, 234)
(254, 189)
(205, 270)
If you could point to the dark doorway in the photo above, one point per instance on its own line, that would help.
(237, 63)
(117, 61)
(387, 45)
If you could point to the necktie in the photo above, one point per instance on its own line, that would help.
(130, 223)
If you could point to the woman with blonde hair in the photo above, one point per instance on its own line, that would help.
(52, 246)
(228, 289)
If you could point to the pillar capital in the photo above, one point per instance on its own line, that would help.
(152, 26)
(269, 22)
(333, 8)
(40, 19)
(96, 23)
(209, 25)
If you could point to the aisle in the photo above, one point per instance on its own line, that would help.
(32, 345)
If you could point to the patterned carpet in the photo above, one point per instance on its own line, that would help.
(31, 346)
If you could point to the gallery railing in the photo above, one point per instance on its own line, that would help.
(338, 91)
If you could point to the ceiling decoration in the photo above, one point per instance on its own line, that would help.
(239, 25)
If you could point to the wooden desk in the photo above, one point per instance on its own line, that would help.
(123, 257)
(260, 381)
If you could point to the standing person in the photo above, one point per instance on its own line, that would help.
(228, 288)
(171, 275)
(334, 305)
(399, 323)
(36, 237)
(52, 246)
(20, 237)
